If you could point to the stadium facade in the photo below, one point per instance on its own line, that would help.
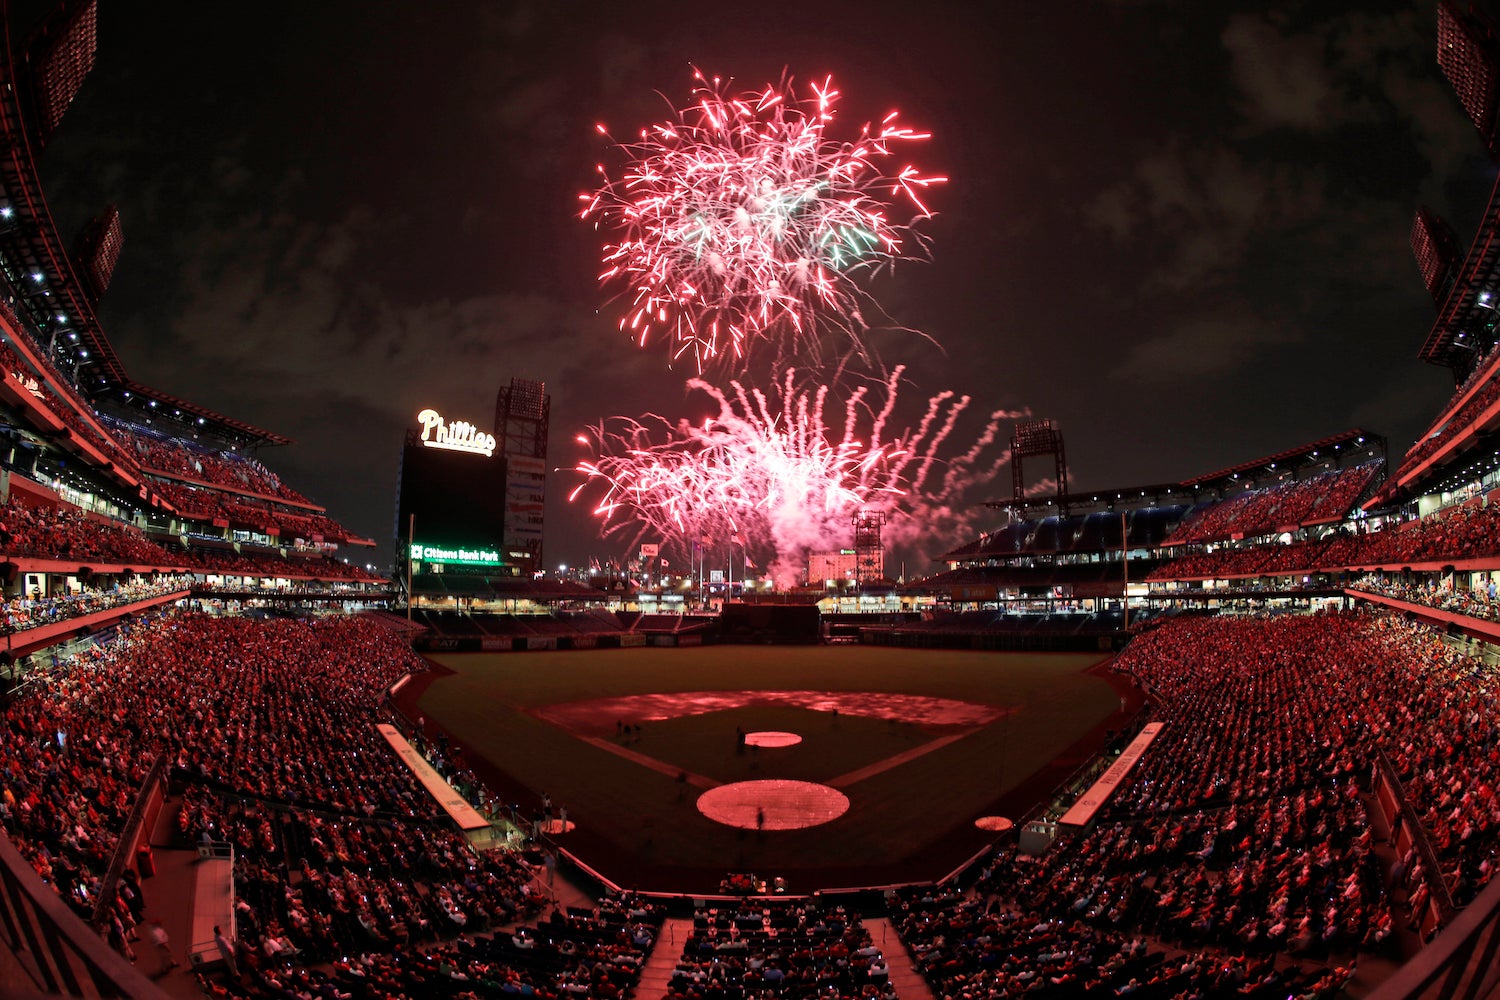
(147, 481)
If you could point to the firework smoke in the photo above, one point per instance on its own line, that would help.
(781, 474)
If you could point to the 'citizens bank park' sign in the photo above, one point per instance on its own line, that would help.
(466, 557)
(457, 436)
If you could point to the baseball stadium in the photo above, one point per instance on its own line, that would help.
(1233, 735)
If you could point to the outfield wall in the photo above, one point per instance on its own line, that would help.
(992, 641)
(523, 643)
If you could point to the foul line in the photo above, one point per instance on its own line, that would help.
(870, 770)
(645, 760)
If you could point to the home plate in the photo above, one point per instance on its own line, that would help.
(773, 804)
(772, 739)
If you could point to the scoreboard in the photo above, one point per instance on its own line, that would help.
(454, 484)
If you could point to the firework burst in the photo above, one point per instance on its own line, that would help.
(743, 222)
(782, 474)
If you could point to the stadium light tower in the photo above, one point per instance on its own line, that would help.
(869, 553)
(98, 251)
(1468, 53)
(1038, 437)
(59, 55)
(1438, 253)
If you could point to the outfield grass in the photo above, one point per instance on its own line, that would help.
(640, 826)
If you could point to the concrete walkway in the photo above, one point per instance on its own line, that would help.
(908, 981)
(169, 897)
(656, 974)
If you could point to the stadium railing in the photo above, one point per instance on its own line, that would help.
(152, 792)
(61, 953)
(1460, 961)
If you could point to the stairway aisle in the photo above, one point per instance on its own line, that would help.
(662, 962)
(908, 981)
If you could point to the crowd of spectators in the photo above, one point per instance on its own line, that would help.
(1451, 425)
(224, 562)
(808, 949)
(208, 505)
(67, 783)
(227, 469)
(1286, 506)
(1240, 561)
(978, 947)
(288, 524)
(1440, 730)
(1476, 603)
(1465, 532)
(317, 885)
(68, 408)
(218, 697)
(573, 955)
(1242, 835)
(68, 534)
(1338, 687)
(1483, 369)
(279, 715)
(280, 710)
(341, 856)
(344, 589)
(1334, 499)
(25, 611)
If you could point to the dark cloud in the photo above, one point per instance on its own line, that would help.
(1201, 349)
(1199, 211)
(1283, 81)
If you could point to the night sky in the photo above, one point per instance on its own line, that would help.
(1178, 229)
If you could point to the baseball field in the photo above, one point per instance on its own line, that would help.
(921, 743)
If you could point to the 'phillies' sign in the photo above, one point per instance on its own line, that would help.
(457, 436)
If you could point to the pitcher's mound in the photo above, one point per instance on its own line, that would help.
(772, 739)
(773, 804)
